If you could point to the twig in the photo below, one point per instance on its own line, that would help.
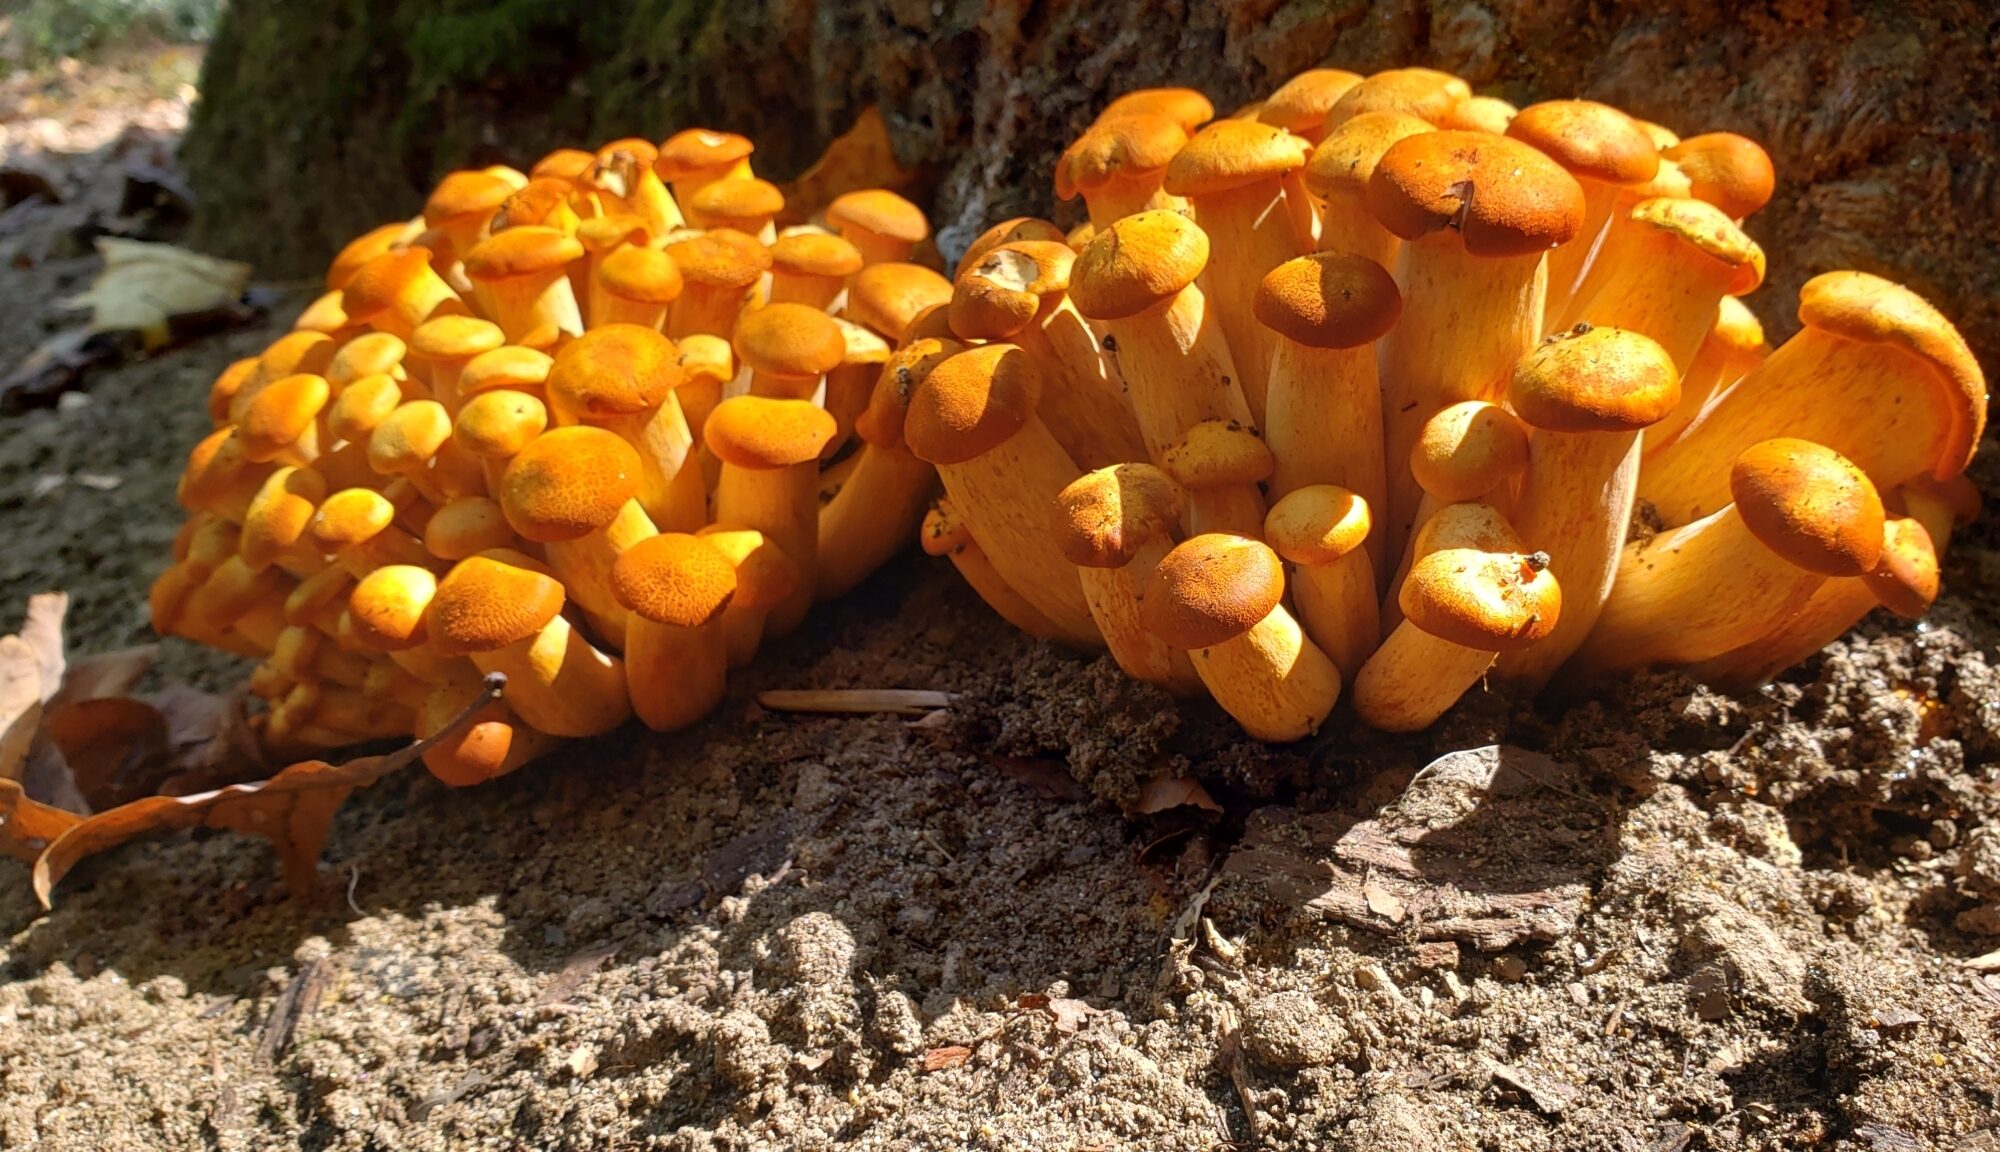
(857, 701)
(1239, 1075)
(294, 1004)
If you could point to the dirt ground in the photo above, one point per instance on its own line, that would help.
(1670, 920)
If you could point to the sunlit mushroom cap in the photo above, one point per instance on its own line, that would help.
(280, 413)
(542, 200)
(1467, 449)
(972, 403)
(496, 425)
(881, 423)
(521, 252)
(640, 274)
(229, 384)
(455, 338)
(1184, 106)
(1346, 158)
(1301, 104)
(1329, 300)
(1128, 145)
(1593, 141)
(509, 366)
(1421, 92)
(568, 483)
(1595, 380)
(388, 607)
(1006, 232)
(1489, 601)
(361, 250)
(765, 576)
(409, 437)
(466, 527)
(352, 516)
(1502, 196)
(695, 151)
(764, 433)
(880, 212)
(1905, 578)
(614, 370)
(1136, 263)
(608, 233)
(720, 258)
(295, 353)
(1810, 505)
(1317, 524)
(789, 340)
(377, 285)
(738, 201)
(887, 296)
(1006, 290)
(1479, 114)
(280, 514)
(1211, 589)
(1232, 153)
(704, 356)
(1102, 518)
(483, 604)
(814, 254)
(1217, 454)
(565, 163)
(1732, 172)
(1708, 230)
(674, 578)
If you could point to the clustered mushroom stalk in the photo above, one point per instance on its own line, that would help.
(1431, 394)
(499, 442)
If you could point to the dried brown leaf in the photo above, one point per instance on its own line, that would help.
(1175, 792)
(27, 826)
(115, 748)
(860, 158)
(20, 704)
(43, 631)
(1048, 779)
(949, 1056)
(104, 674)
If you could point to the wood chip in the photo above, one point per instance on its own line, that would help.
(857, 701)
(298, 1001)
(422, 1110)
(1547, 1096)
(949, 1056)
(1987, 963)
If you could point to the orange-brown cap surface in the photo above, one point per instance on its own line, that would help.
(1810, 505)
(483, 604)
(1102, 518)
(1302, 103)
(763, 433)
(466, 194)
(509, 366)
(1346, 158)
(1212, 589)
(765, 576)
(1329, 300)
(1420, 92)
(1132, 144)
(1706, 229)
(1595, 380)
(1004, 292)
(1136, 263)
(1317, 524)
(1594, 141)
(1216, 454)
(521, 252)
(1006, 232)
(1732, 172)
(388, 607)
(814, 254)
(1231, 153)
(674, 578)
(881, 212)
(352, 516)
(887, 296)
(361, 250)
(1466, 449)
(696, 150)
(738, 200)
(455, 337)
(720, 258)
(1486, 601)
(1503, 197)
(280, 413)
(1185, 106)
(790, 340)
(1905, 579)
(568, 483)
(881, 423)
(499, 423)
(640, 274)
(972, 403)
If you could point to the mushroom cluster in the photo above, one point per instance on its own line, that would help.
(1378, 384)
(591, 426)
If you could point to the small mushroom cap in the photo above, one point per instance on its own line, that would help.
(297, 352)
(614, 370)
(1232, 153)
(1005, 291)
(1708, 230)
(369, 354)
(881, 423)
(1079, 237)
(1185, 106)
(280, 413)
(520, 252)
(944, 533)
(315, 592)
(1006, 232)
(1810, 505)
(972, 403)
(509, 366)
(1128, 145)
(212, 466)
(409, 437)
(1136, 263)
(1302, 103)
(1595, 380)
(1736, 327)
(790, 340)
(1958, 494)
(1662, 136)
(1102, 518)
(1420, 92)
(674, 578)
(566, 163)
(1211, 589)
(496, 425)
(484, 603)
(1329, 300)
(463, 194)
(279, 514)
(542, 200)
(1732, 172)
(1480, 114)
(466, 527)
(640, 274)
(694, 151)
(745, 200)
(721, 258)
(1317, 524)
(931, 322)
(765, 576)
(1503, 197)
(568, 483)
(388, 608)
(1346, 159)
(887, 296)
(762, 433)
(1487, 601)
(1858, 306)
(880, 212)
(455, 337)
(814, 254)
(609, 233)
(707, 357)
(361, 250)
(1905, 579)
(1468, 449)
(1216, 454)
(352, 516)
(377, 285)
(1593, 141)
(229, 384)
(325, 314)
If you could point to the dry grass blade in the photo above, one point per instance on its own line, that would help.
(857, 701)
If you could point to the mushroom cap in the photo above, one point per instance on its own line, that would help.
(1595, 380)
(1468, 449)
(568, 483)
(1869, 309)
(1810, 505)
(368, 354)
(1301, 104)
(1479, 114)
(462, 194)
(467, 526)
(280, 413)
(790, 340)
(279, 514)
(1317, 524)
(388, 608)
(1421, 92)
(880, 212)
(229, 384)
(566, 163)
(455, 337)
(720, 258)
(640, 274)
(325, 314)
(377, 285)
(361, 250)
(509, 366)
(1708, 230)
(1216, 454)
(1211, 589)
(861, 345)
(1185, 106)
(212, 466)
(1345, 159)
(972, 403)
(608, 233)
(296, 352)
(881, 423)
(1232, 153)
(932, 321)
(748, 200)
(1329, 300)
(541, 200)
(484, 603)
(1736, 327)
(1905, 579)
(496, 425)
(614, 370)
(1136, 263)
(1005, 291)
(693, 151)
(409, 437)
(814, 254)
(1732, 172)
(1006, 232)
(887, 296)
(312, 594)
(1503, 197)
(363, 405)
(762, 433)
(352, 516)
(1593, 141)
(944, 533)
(674, 578)
(1129, 145)
(1487, 601)
(528, 251)
(1102, 518)
(1662, 136)
(765, 576)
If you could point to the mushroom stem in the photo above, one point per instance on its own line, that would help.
(945, 534)
(783, 504)
(584, 564)
(559, 683)
(1250, 233)
(1116, 524)
(1414, 678)
(871, 518)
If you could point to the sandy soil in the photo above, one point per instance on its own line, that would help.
(1746, 922)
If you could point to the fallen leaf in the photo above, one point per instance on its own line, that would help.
(20, 704)
(57, 368)
(43, 631)
(115, 748)
(582, 1062)
(1070, 1015)
(143, 286)
(862, 157)
(949, 1056)
(1175, 792)
(574, 971)
(27, 825)
(104, 674)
